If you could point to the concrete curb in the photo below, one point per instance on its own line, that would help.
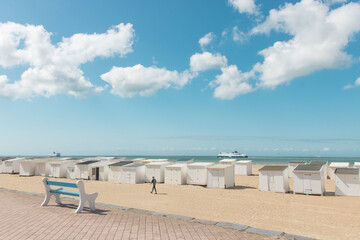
(296, 237)
(264, 232)
(234, 226)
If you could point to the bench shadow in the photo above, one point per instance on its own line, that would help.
(162, 194)
(86, 210)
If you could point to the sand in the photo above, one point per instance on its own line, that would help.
(323, 217)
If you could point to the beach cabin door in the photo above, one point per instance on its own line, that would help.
(307, 183)
(84, 172)
(215, 178)
(271, 181)
(56, 171)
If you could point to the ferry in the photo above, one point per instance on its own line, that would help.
(54, 154)
(232, 155)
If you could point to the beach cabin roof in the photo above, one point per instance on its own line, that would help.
(134, 165)
(219, 166)
(273, 168)
(186, 159)
(200, 164)
(347, 171)
(87, 162)
(339, 164)
(244, 161)
(226, 160)
(119, 164)
(308, 168)
(139, 159)
(318, 162)
(157, 163)
(155, 160)
(300, 162)
(176, 165)
(101, 164)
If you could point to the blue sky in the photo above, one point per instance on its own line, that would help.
(180, 77)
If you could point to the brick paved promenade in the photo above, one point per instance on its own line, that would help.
(21, 217)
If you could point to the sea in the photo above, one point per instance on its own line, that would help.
(255, 159)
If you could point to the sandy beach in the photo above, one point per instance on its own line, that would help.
(322, 217)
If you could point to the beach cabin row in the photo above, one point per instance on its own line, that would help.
(308, 179)
(241, 167)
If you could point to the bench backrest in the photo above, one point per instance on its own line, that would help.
(61, 184)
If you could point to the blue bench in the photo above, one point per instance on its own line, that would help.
(83, 197)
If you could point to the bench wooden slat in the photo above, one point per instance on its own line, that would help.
(66, 192)
(61, 184)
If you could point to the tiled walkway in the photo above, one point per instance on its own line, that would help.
(21, 217)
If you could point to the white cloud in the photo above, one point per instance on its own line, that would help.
(239, 36)
(319, 39)
(55, 69)
(231, 82)
(356, 84)
(205, 61)
(326, 149)
(206, 40)
(244, 6)
(145, 81)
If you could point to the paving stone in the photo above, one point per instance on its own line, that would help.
(263, 232)
(26, 219)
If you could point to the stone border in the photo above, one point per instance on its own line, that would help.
(234, 226)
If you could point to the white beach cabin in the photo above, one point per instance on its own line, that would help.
(133, 173)
(70, 170)
(197, 173)
(100, 170)
(228, 161)
(12, 165)
(274, 178)
(42, 167)
(59, 169)
(334, 165)
(324, 169)
(26, 167)
(356, 164)
(243, 167)
(185, 160)
(292, 165)
(309, 179)
(2, 166)
(115, 171)
(176, 173)
(347, 182)
(156, 169)
(221, 176)
(83, 169)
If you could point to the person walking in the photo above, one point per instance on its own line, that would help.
(153, 182)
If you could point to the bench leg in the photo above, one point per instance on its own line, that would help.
(91, 201)
(46, 200)
(57, 199)
(81, 205)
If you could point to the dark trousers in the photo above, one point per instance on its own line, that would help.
(154, 188)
